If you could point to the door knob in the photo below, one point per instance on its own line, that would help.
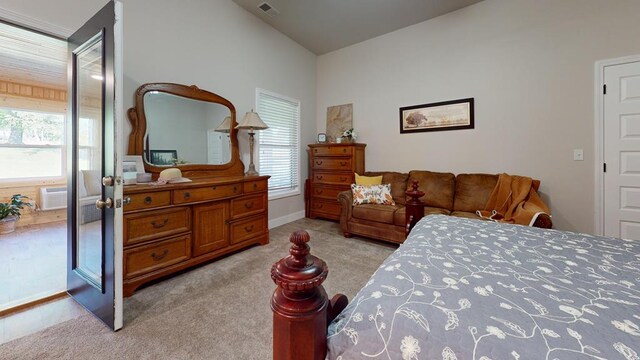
(107, 181)
(108, 203)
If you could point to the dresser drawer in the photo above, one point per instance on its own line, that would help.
(327, 207)
(331, 178)
(335, 163)
(326, 192)
(150, 225)
(147, 258)
(253, 186)
(248, 205)
(206, 193)
(333, 151)
(246, 229)
(147, 200)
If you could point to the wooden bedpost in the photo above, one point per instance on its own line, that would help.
(301, 308)
(414, 208)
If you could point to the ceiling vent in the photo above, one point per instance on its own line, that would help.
(268, 9)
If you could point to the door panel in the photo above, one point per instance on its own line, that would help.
(94, 214)
(211, 232)
(622, 151)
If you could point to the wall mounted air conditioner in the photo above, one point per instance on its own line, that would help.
(53, 198)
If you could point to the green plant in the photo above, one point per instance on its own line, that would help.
(13, 206)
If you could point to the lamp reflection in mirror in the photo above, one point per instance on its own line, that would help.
(251, 121)
(225, 126)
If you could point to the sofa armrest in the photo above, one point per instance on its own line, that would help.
(346, 201)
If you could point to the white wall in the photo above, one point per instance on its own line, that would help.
(214, 44)
(528, 64)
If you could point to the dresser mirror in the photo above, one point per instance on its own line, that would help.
(183, 126)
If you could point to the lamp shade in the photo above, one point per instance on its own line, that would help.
(252, 121)
(225, 126)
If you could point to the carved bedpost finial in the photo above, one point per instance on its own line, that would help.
(299, 303)
(414, 208)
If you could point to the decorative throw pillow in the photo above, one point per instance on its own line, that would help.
(368, 180)
(373, 194)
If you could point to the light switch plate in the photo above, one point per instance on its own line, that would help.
(578, 155)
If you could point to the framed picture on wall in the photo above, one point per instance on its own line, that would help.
(446, 115)
(164, 157)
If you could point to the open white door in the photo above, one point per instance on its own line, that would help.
(94, 273)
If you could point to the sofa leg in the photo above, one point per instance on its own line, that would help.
(347, 235)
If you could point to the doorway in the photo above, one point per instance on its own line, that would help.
(618, 147)
(33, 107)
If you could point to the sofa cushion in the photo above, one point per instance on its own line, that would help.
(92, 182)
(400, 215)
(377, 213)
(398, 183)
(368, 180)
(438, 187)
(473, 191)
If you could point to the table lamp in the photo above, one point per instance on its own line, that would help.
(251, 121)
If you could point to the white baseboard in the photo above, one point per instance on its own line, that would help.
(286, 219)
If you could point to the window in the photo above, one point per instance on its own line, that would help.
(279, 144)
(31, 144)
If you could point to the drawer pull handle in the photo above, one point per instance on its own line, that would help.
(148, 200)
(344, 150)
(187, 195)
(318, 162)
(343, 163)
(159, 225)
(315, 150)
(255, 186)
(343, 179)
(157, 257)
(318, 206)
(235, 189)
(127, 200)
(248, 228)
(319, 191)
(214, 187)
(319, 177)
(248, 205)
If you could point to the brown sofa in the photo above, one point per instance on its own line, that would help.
(445, 193)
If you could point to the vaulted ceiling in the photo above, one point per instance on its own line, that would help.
(323, 26)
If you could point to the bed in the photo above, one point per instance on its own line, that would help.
(468, 289)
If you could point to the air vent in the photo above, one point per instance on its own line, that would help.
(268, 9)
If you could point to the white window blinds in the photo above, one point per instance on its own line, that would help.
(279, 144)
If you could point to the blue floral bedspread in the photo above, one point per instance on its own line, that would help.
(470, 289)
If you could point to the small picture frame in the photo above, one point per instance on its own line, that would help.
(131, 166)
(164, 157)
(322, 138)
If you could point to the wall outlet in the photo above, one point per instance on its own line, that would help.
(578, 155)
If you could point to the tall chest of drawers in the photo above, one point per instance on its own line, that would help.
(168, 228)
(331, 169)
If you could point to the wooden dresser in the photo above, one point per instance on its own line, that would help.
(171, 227)
(331, 169)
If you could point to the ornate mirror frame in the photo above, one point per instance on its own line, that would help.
(138, 120)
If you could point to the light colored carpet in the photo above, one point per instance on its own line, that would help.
(217, 311)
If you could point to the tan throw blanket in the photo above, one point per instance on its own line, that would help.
(514, 200)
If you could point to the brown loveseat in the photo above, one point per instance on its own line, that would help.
(445, 194)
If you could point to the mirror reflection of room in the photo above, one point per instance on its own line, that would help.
(170, 143)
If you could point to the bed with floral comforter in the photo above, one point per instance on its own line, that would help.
(468, 289)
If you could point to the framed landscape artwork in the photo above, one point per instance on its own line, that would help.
(163, 157)
(446, 115)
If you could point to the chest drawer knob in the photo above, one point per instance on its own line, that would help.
(186, 195)
(235, 189)
(214, 187)
(319, 177)
(318, 162)
(343, 163)
(248, 205)
(127, 200)
(318, 191)
(248, 228)
(159, 225)
(157, 257)
(148, 200)
(255, 186)
(344, 150)
(318, 206)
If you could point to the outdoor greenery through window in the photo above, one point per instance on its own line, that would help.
(279, 144)
(31, 144)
